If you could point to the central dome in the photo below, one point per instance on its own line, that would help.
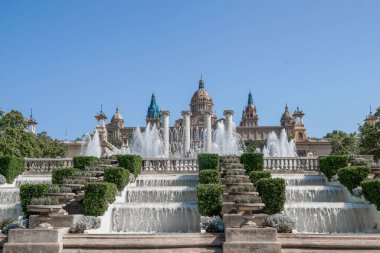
(201, 100)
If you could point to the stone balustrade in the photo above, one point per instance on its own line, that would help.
(46, 165)
(179, 165)
(170, 165)
(291, 164)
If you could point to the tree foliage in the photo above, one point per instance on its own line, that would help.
(15, 140)
(343, 143)
(369, 139)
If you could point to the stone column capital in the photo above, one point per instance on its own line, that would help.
(228, 112)
(207, 113)
(165, 113)
(185, 113)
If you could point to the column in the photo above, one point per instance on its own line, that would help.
(228, 121)
(165, 123)
(186, 131)
(208, 131)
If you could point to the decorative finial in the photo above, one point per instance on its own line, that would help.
(201, 83)
(31, 113)
(286, 106)
(370, 110)
(250, 98)
(101, 108)
(117, 108)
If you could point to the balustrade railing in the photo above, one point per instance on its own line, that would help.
(170, 165)
(291, 164)
(46, 165)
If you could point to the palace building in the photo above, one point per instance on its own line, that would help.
(201, 103)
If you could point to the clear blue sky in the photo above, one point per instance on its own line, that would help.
(65, 58)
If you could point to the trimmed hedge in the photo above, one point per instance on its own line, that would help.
(272, 193)
(252, 162)
(30, 191)
(11, 167)
(97, 197)
(209, 177)
(80, 162)
(118, 176)
(330, 165)
(59, 174)
(209, 199)
(351, 177)
(208, 161)
(132, 163)
(371, 189)
(257, 175)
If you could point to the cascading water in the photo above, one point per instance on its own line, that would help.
(92, 145)
(317, 207)
(155, 203)
(279, 147)
(9, 195)
(226, 141)
(147, 144)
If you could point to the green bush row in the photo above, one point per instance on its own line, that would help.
(11, 167)
(97, 197)
(371, 189)
(59, 174)
(252, 162)
(118, 176)
(209, 199)
(272, 193)
(209, 177)
(330, 165)
(132, 163)
(208, 161)
(30, 191)
(255, 176)
(81, 162)
(351, 177)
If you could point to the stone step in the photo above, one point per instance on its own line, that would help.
(250, 234)
(232, 166)
(173, 242)
(329, 242)
(235, 220)
(251, 247)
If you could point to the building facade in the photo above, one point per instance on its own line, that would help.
(249, 129)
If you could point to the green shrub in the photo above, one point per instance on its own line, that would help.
(371, 189)
(272, 192)
(118, 176)
(208, 161)
(209, 177)
(209, 199)
(97, 197)
(252, 162)
(80, 162)
(257, 175)
(59, 174)
(132, 163)
(351, 177)
(30, 191)
(330, 165)
(11, 167)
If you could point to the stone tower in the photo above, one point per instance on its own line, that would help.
(286, 118)
(153, 113)
(249, 117)
(114, 127)
(101, 125)
(370, 119)
(299, 127)
(31, 123)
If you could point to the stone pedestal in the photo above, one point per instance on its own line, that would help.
(56, 221)
(35, 240)
(165, 124)
(252, 240)
(186, 131)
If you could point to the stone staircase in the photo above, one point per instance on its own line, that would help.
(245, 229)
